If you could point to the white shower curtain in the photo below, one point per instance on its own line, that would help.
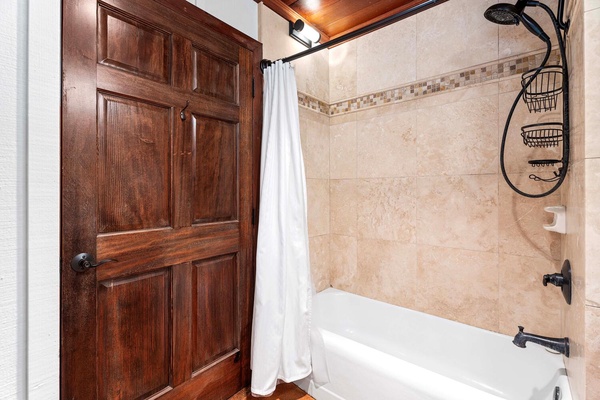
(282, 299)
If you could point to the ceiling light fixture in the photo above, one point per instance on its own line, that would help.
(304, 33)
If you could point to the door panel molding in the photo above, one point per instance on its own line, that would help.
(135, 320)
(147, 53)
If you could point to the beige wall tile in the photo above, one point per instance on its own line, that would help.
(387, 271)
(343, 255)
(387, 58)
(458, 211)
(518, 40)
(315, 144)
(273, 32)
(313, 115)
(342, 119)
(574, 328)
(320, 261)
(386, 146)
(445, 286)
(521, 221)
(592, 231)
(458, 138)
(577, 139)
(524, 300)
(343, 206)
(317, 191)
(457, 95)
(512, 84)
(393, 108)
(591, 4)
(312, 75)
(570, 5)
(592, 83)
(342, 161)
(453, 36)
(387, 209)
(576, 59)
(342, 72)
(592, 330)
(573, 194)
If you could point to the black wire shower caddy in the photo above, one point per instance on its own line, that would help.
(540, 91)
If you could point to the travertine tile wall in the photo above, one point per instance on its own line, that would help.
(419, 213)
(406, 202)
(582, 197)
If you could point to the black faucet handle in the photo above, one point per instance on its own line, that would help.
(555, 279)
(521, 328)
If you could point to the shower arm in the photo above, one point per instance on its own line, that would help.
(558, 26)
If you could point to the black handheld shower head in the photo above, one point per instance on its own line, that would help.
(505, 14)
(508, 14)
(534, 27)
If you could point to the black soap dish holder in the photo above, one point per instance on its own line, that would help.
(541, 87)
(547, 134)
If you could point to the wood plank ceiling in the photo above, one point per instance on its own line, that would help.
(334, 18)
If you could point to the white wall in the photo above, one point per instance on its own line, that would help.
(13, 30)
(29, 198)
(43, 198)
(30, 98)
(241, 14)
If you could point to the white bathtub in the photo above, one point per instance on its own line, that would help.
(377, 351)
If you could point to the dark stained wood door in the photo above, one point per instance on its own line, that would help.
(158, 167)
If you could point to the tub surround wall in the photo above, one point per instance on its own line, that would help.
(421, 218)
(406, 202)
(582, 198)
(416, 213)
(419, 213)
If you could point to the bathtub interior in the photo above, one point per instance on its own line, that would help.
(483, 360)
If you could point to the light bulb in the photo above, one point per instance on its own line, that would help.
(308, 31)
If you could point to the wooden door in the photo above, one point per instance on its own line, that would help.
(158, 168)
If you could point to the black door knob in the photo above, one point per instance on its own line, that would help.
(84, 261)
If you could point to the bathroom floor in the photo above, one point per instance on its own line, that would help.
(285, 391)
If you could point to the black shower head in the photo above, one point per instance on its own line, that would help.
(503, 14)
(508, 14)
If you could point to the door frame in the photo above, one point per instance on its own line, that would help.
(255, 47)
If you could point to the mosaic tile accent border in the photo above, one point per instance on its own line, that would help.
(461, 79)
(312, 103)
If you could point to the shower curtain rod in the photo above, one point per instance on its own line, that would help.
(359, 32)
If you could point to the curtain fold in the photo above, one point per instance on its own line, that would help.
(282, 299)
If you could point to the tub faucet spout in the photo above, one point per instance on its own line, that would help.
(557, 344)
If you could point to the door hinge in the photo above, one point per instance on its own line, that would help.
(253, 87)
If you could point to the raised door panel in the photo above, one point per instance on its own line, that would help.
(134, 138)
(134, 340)
(215, 305)
(133, 45)
(215, 174)
(214, 76)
